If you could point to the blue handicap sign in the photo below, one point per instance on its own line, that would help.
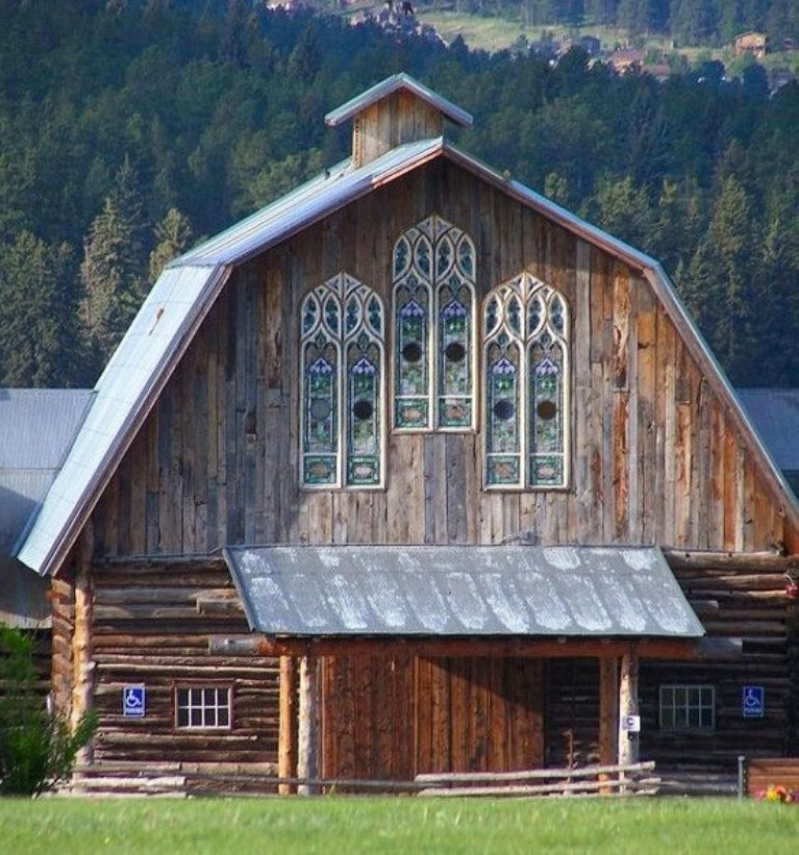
(133, 701)
(753, 702)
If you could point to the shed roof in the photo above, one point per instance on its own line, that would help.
(186, 290)
(461, 591)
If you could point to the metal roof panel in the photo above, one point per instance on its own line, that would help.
(461, 591)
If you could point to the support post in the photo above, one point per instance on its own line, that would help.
(308, 729)
(287, 744)
(628, 705)
(83, 665)
(609, 711)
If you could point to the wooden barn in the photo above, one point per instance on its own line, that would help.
(414, 470)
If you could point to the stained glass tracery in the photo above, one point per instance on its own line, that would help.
(525, 351)
(342, 364)
(434, 305)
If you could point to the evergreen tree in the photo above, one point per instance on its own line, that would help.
(112, 292)
(172, 236)
(39, 345)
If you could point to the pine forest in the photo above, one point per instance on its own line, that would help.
(131, 129)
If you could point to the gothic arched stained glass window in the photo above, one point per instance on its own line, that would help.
(342, 362)
(526, 360)
(434, 307)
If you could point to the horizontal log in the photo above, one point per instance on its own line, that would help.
(532, 774)
(646, 786)
(534, 647)
(219, 606)
(147, 594)
(745, 561)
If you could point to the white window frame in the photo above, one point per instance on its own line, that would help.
(208, 703)
(683, 707)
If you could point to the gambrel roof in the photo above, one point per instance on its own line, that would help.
(184, 293)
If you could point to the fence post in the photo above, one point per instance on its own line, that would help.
(741, 776)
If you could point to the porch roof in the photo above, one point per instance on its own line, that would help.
(461, 591)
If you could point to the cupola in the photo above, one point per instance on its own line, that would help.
(395, 111)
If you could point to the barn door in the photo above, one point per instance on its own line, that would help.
(479, 714)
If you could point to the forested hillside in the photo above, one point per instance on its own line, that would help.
(129, 130)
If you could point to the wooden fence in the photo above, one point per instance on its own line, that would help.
(186, 780)
(632, 779)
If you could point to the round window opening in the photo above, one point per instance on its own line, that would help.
(320, 409)
(504, 409)
(363, 410)
(546, 410)
(455, 351)
(412, 352)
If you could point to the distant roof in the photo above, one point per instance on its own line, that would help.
(37, 428)
(775, 414)
(461, 591)
(396, 83)
(188, 287)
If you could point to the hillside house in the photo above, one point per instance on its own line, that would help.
(752, 43)
(414, 470)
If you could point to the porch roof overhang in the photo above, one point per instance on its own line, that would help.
(463, 600)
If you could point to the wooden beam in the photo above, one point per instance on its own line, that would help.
(287, 746)
(740, 562)
(308, 727)
(83, 664)
(608, 711)
(628, 706)
(534, 647)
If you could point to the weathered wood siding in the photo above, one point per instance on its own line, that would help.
(655, 458)
(393, 718)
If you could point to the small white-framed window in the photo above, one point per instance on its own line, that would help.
(687, 707)
(203, 707)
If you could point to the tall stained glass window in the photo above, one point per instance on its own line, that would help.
(526, 397)
(434, 327)
(342, 362)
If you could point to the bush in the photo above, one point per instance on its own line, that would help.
(37, 748)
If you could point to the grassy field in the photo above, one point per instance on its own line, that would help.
(335, 825)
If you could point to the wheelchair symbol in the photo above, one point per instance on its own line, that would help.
(133, 701)
(753, 706)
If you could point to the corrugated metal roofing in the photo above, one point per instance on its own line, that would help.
(393, 84)
(461, 591)
(37, 426)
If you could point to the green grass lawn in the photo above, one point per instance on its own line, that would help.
(332, 825)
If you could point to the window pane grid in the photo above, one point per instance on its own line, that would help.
(207, 707)
(687, 707)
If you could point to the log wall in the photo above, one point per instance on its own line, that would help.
(152, 626)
